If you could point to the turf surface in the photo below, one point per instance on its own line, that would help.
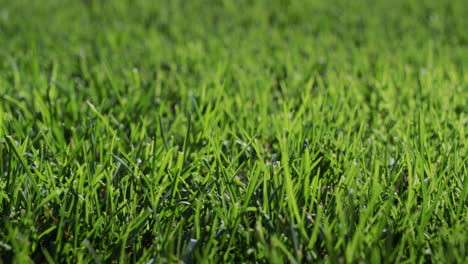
(233, 131)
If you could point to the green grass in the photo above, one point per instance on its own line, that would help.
(269, 131)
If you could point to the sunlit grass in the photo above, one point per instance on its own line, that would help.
(233, 131)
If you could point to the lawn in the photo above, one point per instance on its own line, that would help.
(222, 131)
